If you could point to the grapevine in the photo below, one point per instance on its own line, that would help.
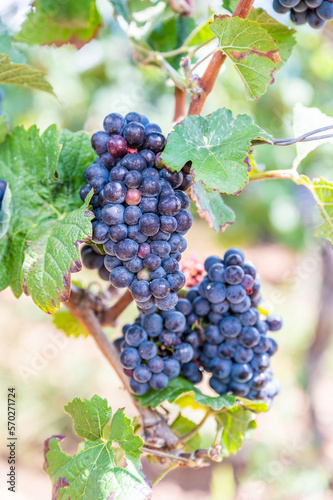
(183, 324)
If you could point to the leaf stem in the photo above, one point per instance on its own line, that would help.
(164, 473)
(276, 174)
(163, 454)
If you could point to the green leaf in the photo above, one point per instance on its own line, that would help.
(61, 22)
(251, 49)
(235, 423)
(122, 432)
(98, 471)
(322, 191)
(305, 120)
(20, 74)
(210, 206)
(200, 34)
(89, 416)
(5, 212)
(64, 321)
(283, 35)
(182, 426)
(170, 34)
(180, 387)
(229, 5)
(217, 145)
(172, 391)
(40, 249)
(4, 128)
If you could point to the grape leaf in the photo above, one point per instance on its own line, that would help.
(251, 49)
(98, 471)
(322, 191)
(235, 423)
(4, 129)
(5, 212)
(179, 386)
(283, 35)
(64, 321)
(229, 5)
(217, 145)
(89, 416)
(21, 74)
(182, 426)
(61, 22)
(48, 220)
(307, 119)
(171, 392)
(211, 207)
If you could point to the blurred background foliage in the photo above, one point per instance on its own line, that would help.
(291, 455)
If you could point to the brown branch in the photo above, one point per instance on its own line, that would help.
(180, 103)
(109, 317)
(207, 81)
(82, 305)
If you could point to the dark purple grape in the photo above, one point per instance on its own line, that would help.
(99, 142)
(230, 326)
(167, 302)
(156, 364)
(100, 232)
(147, 349)
(148, 156)
(152, 127)
(96, 170)
(192, 372)
(115, 192)
(243, 355)
(218, 385)
(133, 179)
(155, 142)
(135, 234)
(216, 273)
(134, 162)
(183, 353)
(108, 160)
(216, 292)
(134, 335)
(134, 265)
(274, 322)
(241, 373)
(132, 215)
(149, 224)
(117, 146)
(134, 133)
(150, 187)
(141, 291)
(111, 262)
(138, 388)
(144, 250)
(126, 249)
(176, 281)
(168, 223)
(113, 214)
(97, 183)
(171, 368)
(325, 10)
(184, 199)
(84, 192)
(130, 358)
(174, 178)
(113, 123)
(120, 277)
(160, 248)
(314, 20)
(109, 247)
(184, 221)
(170, 265)
(239, 389)
(169, 205)
(213, 259)
(175, 321)
(221, 368)
(158, 381)
(118, 173)
(148, 205)
(184, 306)
(90, 259)
(235, 294)
(142, 374)
(213, 334)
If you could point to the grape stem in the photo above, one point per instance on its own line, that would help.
(208, 79)
(180, 103)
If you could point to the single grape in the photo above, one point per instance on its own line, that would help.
(134, 133)
(142, 374)
(156, 364)
(325, 10)
(134, 162)
(138, 388)
(155, 142)
(160, 288)
(90, 259)
(133, 197)
(148, 205)
(184, 306)
(218, 385)
(126, 249)
(192, 373)
(135, 234)
(134, 335)
(176, 281)
(130, 358)
(169, 205)
(235, 294)
(147, 349)
(113, 123)
(149, 224)
(141, 291)
(241, 373)
(213, 334)
(152, 127)
(158, 381)
(132, 215)
(243, 354)
(274, 322)
(111, 262)
(134, 265)
(120, 277)
(99, 142)
(183, 353)
(171, 367)
(118, 173)
(201, 306)
(152, 262)
(148, 156)
(118, 232)
(113, 214)
(230, 326)
(116, 146)
(279, 8)
(100, 232)
(150, 187)
(221, 368)
(167, 302)
(239, 389)
(213, 259)
(133, 179)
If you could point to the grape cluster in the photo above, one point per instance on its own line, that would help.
(141, 210)
(152, 350)
(3, 186)
(227, 331)
(313, 12)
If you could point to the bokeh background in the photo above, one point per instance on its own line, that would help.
(291, 454)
